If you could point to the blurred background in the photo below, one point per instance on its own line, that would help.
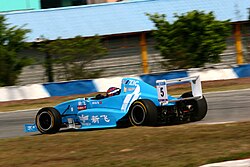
(115, 38)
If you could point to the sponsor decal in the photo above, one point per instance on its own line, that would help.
(31, 128)
(96, 102)
(160, 83)
(105, 118)
(81, 105)
(84, 119)
(162, 100)
(130, 89)
(94, 119)
(130, 98)
(130, 82)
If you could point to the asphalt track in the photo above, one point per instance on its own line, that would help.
(229, 106)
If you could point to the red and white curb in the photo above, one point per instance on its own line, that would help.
(236, 163)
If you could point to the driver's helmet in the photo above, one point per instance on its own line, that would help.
(112, 91)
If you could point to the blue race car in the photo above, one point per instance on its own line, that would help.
(135, 103)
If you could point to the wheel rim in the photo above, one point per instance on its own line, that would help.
(138, 114)
(45, 121)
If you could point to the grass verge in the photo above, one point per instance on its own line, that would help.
(185, 145)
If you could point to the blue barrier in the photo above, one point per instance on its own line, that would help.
(242, 70)
(70, 88)
(37, 91)
(87, 86)
(151, 78)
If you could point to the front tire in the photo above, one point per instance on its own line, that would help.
(143, 112)
(199, 107)
(48, 120)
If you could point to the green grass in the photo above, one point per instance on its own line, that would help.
(185, 145)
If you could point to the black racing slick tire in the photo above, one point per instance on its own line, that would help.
(143, 112)
(198, 109)
(48, 120)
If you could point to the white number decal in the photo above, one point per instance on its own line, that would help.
(162, 91)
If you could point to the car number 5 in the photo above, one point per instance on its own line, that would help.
(162, 92)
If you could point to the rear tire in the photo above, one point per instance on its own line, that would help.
(143, 112)
(48, 120)
(199, 107)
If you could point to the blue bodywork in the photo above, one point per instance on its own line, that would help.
(104, 113)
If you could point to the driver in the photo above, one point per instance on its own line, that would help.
(112, 91)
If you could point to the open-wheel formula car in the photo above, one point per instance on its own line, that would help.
(135, 103)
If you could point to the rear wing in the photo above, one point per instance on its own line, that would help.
(161, 86)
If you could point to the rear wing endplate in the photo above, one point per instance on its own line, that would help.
(161, 86)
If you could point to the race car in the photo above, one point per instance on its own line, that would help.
(134, 103)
